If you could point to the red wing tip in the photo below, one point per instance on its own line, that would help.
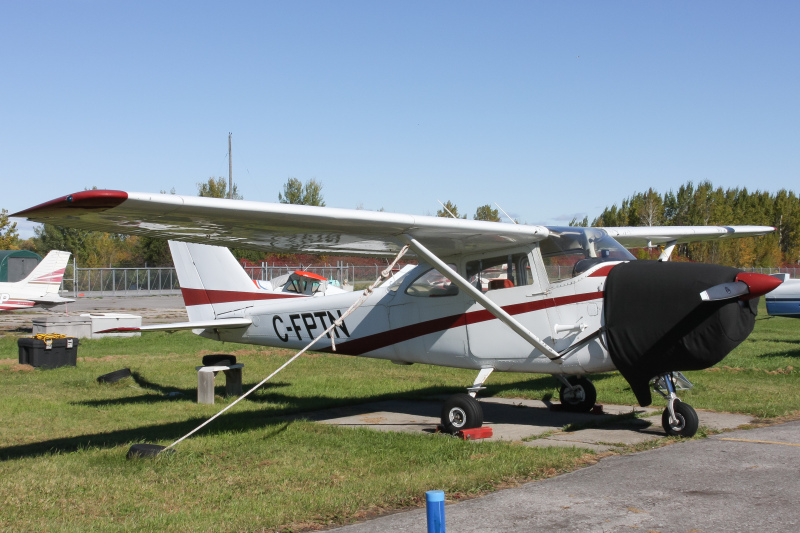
(94, 200)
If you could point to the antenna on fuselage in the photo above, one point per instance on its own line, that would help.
(506, 214)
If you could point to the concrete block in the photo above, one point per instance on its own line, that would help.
(104, 321)
(65, 325)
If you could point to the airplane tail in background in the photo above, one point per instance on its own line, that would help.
(46, 277)
(40, 288)
(213, 283)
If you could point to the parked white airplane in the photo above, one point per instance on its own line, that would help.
(572, 301)
(39, 288)
(785, 300)
(300, 282)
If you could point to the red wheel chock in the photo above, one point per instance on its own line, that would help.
(470, 434)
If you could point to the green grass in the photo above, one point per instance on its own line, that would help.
(64, 436)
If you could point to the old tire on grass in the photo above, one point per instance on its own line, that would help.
(147, 450)
(219, 359)
(113, 377)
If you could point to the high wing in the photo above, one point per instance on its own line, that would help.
(640, 236)
(274, 227)
(287, 228)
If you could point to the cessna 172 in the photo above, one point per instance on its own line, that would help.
(39, 288)
(571, 301)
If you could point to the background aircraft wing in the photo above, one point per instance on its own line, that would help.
(282, 228)
(635, 237)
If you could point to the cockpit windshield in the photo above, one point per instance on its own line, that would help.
(570, 251)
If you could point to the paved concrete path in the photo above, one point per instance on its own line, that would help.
(533, 422)
(744, 480)
(152, 309)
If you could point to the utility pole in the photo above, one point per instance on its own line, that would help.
(230, 169)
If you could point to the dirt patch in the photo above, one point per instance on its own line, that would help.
(104, 358)
(16, 367)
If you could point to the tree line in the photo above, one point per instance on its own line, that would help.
(691, 205)
(706, 205)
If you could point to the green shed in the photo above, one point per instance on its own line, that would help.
(17, 264)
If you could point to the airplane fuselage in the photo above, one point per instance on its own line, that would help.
(397, 324)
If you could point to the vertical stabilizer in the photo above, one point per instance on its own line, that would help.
(213, 283)
(46, 277)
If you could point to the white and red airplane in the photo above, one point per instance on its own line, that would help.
(571, 301)
(300, 282)
(39, 288)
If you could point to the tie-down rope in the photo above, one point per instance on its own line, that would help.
(385, 274)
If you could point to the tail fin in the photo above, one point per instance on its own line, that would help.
(213, 283)
(46, 277)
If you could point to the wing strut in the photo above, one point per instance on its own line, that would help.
(478, 296)
(668, 247)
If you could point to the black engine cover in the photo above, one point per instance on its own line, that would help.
(657, 323)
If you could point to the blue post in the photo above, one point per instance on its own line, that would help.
(435, 505)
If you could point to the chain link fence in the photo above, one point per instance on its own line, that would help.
(164, 281)
(120, 281)
(793, 272)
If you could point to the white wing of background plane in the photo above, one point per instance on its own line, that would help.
(270, 227)
(640, 236)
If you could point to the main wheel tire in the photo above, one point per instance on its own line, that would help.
(461, 411)
(687, 420)
(580, 399)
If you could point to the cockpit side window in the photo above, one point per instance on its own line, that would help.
(432, 284)
(569, 251)
(502, 272)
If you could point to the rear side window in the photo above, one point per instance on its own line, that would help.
(501, 272)
(432, 284)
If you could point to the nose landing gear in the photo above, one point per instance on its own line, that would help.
(678, 419)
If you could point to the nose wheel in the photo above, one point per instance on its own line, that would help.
(684, 423)
(678, 419)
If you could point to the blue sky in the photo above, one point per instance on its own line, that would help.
(550, 109)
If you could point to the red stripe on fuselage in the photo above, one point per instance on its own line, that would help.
(602, 271)
(16, 304)
(207, 297)
(397, 335)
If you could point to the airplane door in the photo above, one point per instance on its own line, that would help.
(509, 281)
(426, 319)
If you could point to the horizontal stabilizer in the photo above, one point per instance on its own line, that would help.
(51, 300)
(223, 323)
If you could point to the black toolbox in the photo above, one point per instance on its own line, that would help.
(48, 353)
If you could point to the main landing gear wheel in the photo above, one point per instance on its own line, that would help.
(687, 423)
(461, 411)
(581, 397)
